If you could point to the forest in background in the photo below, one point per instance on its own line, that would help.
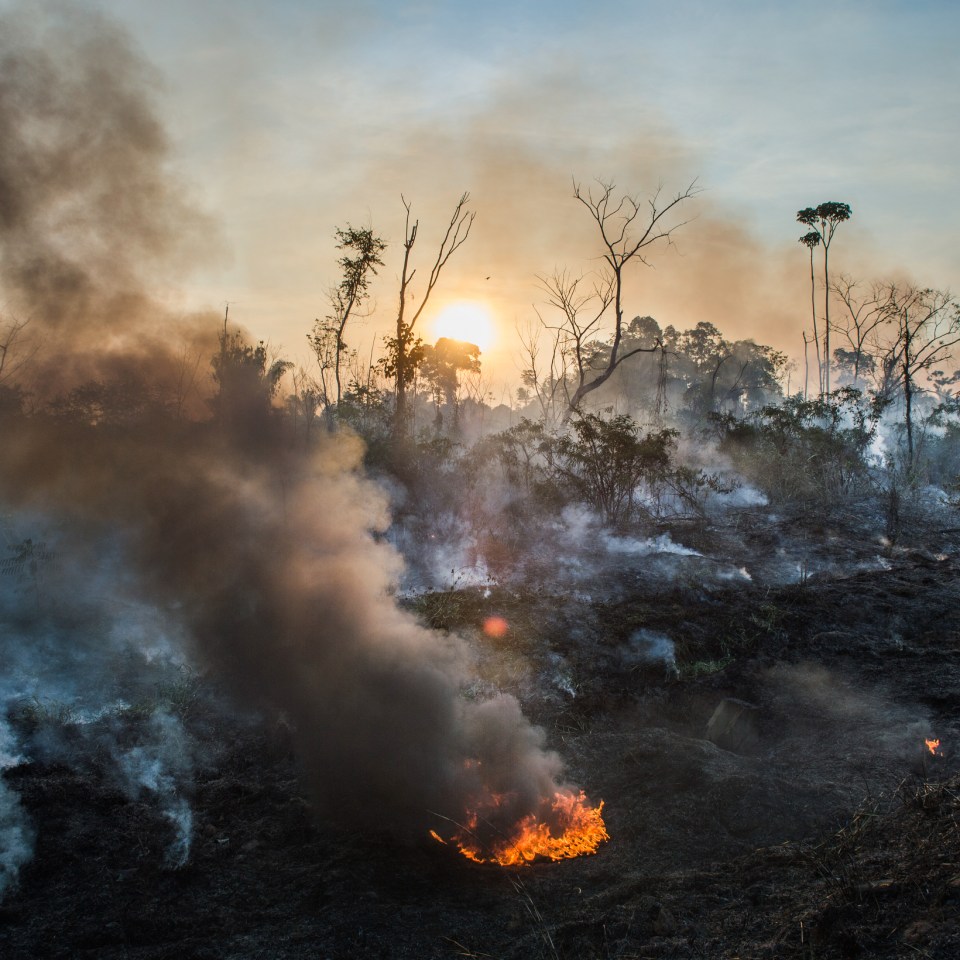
(630, 419)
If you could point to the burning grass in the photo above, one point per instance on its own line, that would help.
(566, 827)
(717, 853)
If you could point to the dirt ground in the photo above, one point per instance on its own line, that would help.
(807, 818)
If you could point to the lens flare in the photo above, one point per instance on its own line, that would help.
(495, 627)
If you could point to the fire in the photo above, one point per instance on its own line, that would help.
(575, 829)
(933, 746)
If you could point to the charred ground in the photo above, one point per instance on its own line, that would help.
(824, 829)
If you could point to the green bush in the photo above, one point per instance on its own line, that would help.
(816, 449)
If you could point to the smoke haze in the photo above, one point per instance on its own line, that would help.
(91, 216)
(270, 567)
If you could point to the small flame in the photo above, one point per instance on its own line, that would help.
(575, 829)
(933, 746)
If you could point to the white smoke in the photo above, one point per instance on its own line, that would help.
(650, 647)
(85, 662)
(648, 546)
(16, 831)
(161, 767)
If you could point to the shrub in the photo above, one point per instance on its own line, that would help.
(805, 449)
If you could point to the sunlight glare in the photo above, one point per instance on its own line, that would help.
(465, 320)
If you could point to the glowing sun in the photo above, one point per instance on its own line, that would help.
(465, 320)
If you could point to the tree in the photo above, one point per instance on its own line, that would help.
(247, 382)
(816, 449)
(715, 372)
(823, 221)
(358, 265)
(606, 461)
(867, 313)
(442, 365)
(626, 236)
(120, 401)
(811, 241)
(16, 351)
(405, 351)
(925, 326)
(546, 372)
(304, 402)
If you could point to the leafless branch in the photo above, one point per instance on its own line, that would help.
(15, 350)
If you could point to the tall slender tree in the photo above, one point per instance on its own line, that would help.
(823, 221)
(811, 241)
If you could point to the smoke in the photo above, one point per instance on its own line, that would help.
(863, 722)
(283, 588)
(159, 767)
(88, 681)
(269, 567)
(16, 832)
(650, 647)
(91, 214)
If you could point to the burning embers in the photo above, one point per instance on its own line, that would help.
(933, 757)
(565, 827)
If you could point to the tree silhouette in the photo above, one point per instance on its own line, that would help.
(628, 229)
(442, 365)
(326, 340)
(823, 221)
(926, 327)
(811, 241)
(405, 350)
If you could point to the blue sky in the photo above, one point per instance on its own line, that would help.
(289, 118)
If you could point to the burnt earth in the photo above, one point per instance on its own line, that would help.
(829, 831)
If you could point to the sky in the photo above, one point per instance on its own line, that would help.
(290, 118)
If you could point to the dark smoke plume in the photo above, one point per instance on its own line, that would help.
(269, 562)
(89, 212)
(283, 587)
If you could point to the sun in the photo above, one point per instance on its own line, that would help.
(465, 320)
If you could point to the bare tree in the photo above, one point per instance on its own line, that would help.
(547, 370)
(628, 229)
(15, 349)
(926, 326)
(806, 364)
(866, 314)
(404, 351)
(188, 370)
(582, 314)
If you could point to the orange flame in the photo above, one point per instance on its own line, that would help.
(933, 746)
(576, 830)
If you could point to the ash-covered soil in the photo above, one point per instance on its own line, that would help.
(803, 818)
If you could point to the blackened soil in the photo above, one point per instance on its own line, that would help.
(818, 826)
